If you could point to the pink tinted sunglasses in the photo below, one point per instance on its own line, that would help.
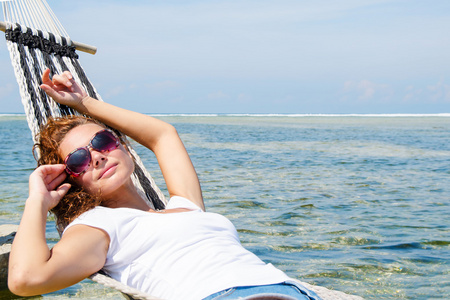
(77, 161)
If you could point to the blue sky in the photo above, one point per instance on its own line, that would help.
(347, 56)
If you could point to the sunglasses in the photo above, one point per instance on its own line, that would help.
(77, 161)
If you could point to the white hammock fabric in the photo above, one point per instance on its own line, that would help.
(40, 42)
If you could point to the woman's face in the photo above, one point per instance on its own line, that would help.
(108, 171)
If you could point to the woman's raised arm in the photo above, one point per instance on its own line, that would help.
(34, 269)
(158, 136)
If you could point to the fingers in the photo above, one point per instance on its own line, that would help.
(51, 169)
(62, 81)
(51, 175)
(68, 75)
(53, 183)
(46, 77)
(46, 185)
(49, 91)
(59, 81)
(63, 189)
(63, 89)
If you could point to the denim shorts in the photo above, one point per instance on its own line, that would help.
(288, 290)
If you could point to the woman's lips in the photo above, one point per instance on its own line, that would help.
(108, 171)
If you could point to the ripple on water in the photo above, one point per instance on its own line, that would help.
(354, 241)
(353, 204)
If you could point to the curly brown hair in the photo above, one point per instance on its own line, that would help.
(46, 151)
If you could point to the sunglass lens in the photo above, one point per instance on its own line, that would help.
(104, 141)
(78, 161)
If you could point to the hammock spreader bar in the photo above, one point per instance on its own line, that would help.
(77, 45)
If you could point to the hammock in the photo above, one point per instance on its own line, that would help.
(36, 40)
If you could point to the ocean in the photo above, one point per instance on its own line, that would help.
(356, 203)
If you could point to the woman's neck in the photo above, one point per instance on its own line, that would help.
(127, 196)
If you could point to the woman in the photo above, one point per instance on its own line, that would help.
(181, 252)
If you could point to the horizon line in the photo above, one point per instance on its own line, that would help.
(276, 114)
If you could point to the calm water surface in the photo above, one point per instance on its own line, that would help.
(357, 204)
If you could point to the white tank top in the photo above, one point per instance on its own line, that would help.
(186, 255)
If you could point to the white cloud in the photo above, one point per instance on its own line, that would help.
(440, 92)
(412, 94)
(365, 90)
(432, 93)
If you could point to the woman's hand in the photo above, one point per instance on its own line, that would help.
(45, 185)
(63, 89)
(34, 269)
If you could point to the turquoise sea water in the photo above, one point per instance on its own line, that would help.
(353, 203)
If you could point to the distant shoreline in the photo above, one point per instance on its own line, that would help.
(446, 115)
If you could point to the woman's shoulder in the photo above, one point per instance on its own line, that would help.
(96, 211)
(100, 216)
(181, 202)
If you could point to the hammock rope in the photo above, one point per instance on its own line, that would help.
(33, 14)
(36, 40)
(32, 51)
